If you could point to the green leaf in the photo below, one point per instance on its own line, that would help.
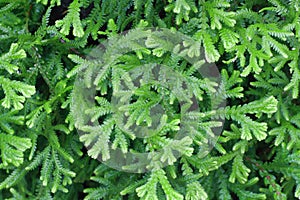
(12, 98)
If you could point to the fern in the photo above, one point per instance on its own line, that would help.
(73, 19)
(202, 106)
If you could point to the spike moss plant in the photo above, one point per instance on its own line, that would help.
(46, 44)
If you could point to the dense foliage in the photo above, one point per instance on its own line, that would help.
(255, 45)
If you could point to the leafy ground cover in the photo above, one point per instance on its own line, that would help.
(242, 141)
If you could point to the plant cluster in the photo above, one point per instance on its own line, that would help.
(47, 44)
